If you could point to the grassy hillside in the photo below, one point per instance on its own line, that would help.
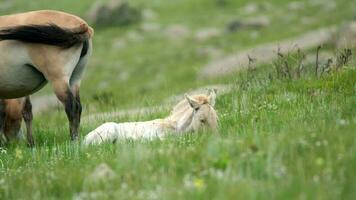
(151, 66)
(279, 138)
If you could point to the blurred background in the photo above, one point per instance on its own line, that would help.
(147, 51)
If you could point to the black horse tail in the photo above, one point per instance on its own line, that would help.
(49, 34)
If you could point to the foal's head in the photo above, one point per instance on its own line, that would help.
(196, 112)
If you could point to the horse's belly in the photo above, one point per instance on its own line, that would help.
(19, 81)
(17, 77)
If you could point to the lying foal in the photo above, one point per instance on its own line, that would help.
(190, 114)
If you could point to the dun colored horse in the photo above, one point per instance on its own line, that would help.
(39, 47)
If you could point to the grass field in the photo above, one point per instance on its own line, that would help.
(279, 138)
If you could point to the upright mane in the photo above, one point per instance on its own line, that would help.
(183, 107)
(184, 104)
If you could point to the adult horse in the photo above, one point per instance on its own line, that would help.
(39, 47)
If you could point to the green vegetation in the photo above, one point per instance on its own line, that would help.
(279, 138)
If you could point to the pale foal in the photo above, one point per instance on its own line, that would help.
(190, 114)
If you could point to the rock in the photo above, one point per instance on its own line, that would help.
(295, 5)
(177, 32)
(254, 35)
(207, 34)
(266, 52)
(346, 38)
(257, 22)
(251, 23)
(148, 15)
(150, 27)
(250, 8)
(253, 8)
(123, 76)
(115, 12)
(101, 174)
(327, 5)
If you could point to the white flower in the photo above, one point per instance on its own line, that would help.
(3, 151)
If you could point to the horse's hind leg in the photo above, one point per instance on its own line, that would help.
(72, 105)
(64, 72)
(73, 108)
(78, 107)
(74, 82)
(28, 116)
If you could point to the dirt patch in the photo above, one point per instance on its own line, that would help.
(266, 52)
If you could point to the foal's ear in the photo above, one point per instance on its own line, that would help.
(212, 97)
(192, 102)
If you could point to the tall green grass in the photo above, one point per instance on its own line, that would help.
(279, 138)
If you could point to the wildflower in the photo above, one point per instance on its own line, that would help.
(3, 151)
(18, 153)
(342, 122)
(199, 183)
(319, 161)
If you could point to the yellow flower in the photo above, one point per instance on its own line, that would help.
(18, 153)
(199, 183)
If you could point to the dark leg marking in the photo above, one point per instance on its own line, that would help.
(73, 110)
(2, 121)
(2, 114)
(28, 117)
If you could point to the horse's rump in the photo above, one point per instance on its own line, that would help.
(49, 34)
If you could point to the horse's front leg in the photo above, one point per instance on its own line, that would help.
(71, 101)
(28, 116)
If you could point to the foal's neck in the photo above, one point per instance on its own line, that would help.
(180, 123)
